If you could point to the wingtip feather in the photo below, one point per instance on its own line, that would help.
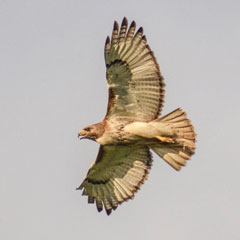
(108, 211)
(107, 40)
(124, 22)
(115, 26)
(133, 24)
(144, 38)
(140, 30)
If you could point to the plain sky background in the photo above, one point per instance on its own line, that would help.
(52, 84)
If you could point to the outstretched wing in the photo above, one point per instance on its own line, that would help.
(135, 84)
(116, 175)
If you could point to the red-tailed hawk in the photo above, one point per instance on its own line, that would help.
(132, 125)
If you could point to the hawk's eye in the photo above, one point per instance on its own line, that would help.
(87, 129)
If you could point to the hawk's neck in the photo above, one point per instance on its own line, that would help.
(99, 129)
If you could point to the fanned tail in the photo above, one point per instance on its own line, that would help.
(179, 148)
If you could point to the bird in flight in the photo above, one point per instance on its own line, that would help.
(132, 126)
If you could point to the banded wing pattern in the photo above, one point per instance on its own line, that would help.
(118, 172)
(136, 87)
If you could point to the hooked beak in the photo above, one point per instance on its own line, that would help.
(82, 134)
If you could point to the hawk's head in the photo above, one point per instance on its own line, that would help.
(92, 132)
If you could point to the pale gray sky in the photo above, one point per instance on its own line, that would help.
(52, 83)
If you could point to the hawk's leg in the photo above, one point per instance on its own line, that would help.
(165, 139)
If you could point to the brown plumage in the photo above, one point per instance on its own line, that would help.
(131, 126)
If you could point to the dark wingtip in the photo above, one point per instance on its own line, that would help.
(99, 209)
(107, 40)
(108, 211)
(133, 24)
(144, 38)
(115, 26)
(124, 21)
(114, 207)
(140, 30)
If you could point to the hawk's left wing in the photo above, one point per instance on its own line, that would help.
(116, 175)
(135, 84)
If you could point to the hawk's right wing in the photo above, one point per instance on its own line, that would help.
(116, 175)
